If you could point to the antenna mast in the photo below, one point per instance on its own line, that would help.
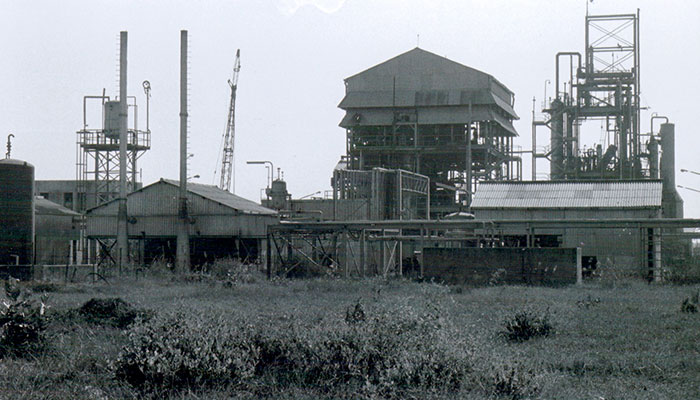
(230, 135)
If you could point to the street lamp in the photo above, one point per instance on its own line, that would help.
(193, 177)
(270, 172)
(687, 188)
(309, 195)
(689, 171)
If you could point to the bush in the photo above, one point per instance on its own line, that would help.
(381, 355)
(526, 325)
(110, 312)
(512, 381)
(177, 351)
(690, 304)
(22, 321)
(233, 271)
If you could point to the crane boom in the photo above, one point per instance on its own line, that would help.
(230, 135)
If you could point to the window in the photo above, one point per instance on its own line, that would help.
(68, 200)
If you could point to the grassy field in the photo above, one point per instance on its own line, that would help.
(369, 338)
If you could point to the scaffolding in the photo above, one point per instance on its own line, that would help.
(97, 152)
(426, 114)
(603, 85)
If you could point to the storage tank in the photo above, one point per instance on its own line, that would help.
(17, 216)
(279, 194)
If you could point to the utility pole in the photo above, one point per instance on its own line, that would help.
(183, 237)
(122, 225)
(227, 161)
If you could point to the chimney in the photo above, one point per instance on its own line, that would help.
(672, 204)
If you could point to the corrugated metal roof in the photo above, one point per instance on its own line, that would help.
(223, 197)
(46, 207)
(598, 194)
(419, 78)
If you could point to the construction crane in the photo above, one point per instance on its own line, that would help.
(230, 134)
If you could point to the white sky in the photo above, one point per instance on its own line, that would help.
(295, 54)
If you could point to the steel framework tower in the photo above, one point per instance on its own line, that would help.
(97, 151)
(602, 85)
(227, 161)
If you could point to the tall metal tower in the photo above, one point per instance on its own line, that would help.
(602, 85)
(227, 160)
(97, 151)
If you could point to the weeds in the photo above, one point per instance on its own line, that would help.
(526, 325)
(22, 321)
(588, 302)
(382, 354)
(690, 304)
(513, 381)
(233, 272)
(110, 312)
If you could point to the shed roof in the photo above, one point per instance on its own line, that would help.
(43, 206)
(208, 192)
(558, 194)
(223, 197)
(421, 78)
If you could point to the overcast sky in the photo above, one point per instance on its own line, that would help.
(295, 55)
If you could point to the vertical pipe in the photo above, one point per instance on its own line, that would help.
(362, 252)
(122, 235)
(183, 240)
(468, 166)
(534, 138)
(268, 256)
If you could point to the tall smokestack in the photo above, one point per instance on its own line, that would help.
(122, 226)
(183, 237)
(672, 204)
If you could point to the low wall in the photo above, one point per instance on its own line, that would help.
(480, 266)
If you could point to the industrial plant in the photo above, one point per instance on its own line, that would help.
(430, 184)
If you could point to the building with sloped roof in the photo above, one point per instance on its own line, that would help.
(56, 230)
(624, 250)
(221, 223)
(424, 113)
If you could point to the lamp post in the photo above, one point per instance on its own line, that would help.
(689, 171)
(687, 188)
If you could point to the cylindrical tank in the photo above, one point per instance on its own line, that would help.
(278, 194)
(556, 164)
(17, 212)
(653, 147)
(668, 156)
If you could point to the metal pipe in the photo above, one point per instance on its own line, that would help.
(183, 240)
(653, 117)
(103, 97)
(564, 53)
(272, 168)
(147, 91)
(122, 217)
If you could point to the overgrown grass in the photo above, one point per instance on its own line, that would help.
(368, 338)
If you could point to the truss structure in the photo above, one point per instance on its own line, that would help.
(602, 85)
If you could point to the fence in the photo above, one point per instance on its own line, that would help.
(653, 249)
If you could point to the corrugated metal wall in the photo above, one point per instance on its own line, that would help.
(154, 212)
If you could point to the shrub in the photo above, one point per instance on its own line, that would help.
(512, 381)
(233, 271)
(385, 353)
(525, 325)
(177, 351)
(110, 312)
(690, 304)
(22, 321)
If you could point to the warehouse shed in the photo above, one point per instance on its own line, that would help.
(221, 223)
(57, 230)
(624, 250)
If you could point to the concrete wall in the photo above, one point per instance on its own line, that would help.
(480, 266)
(620, 251)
